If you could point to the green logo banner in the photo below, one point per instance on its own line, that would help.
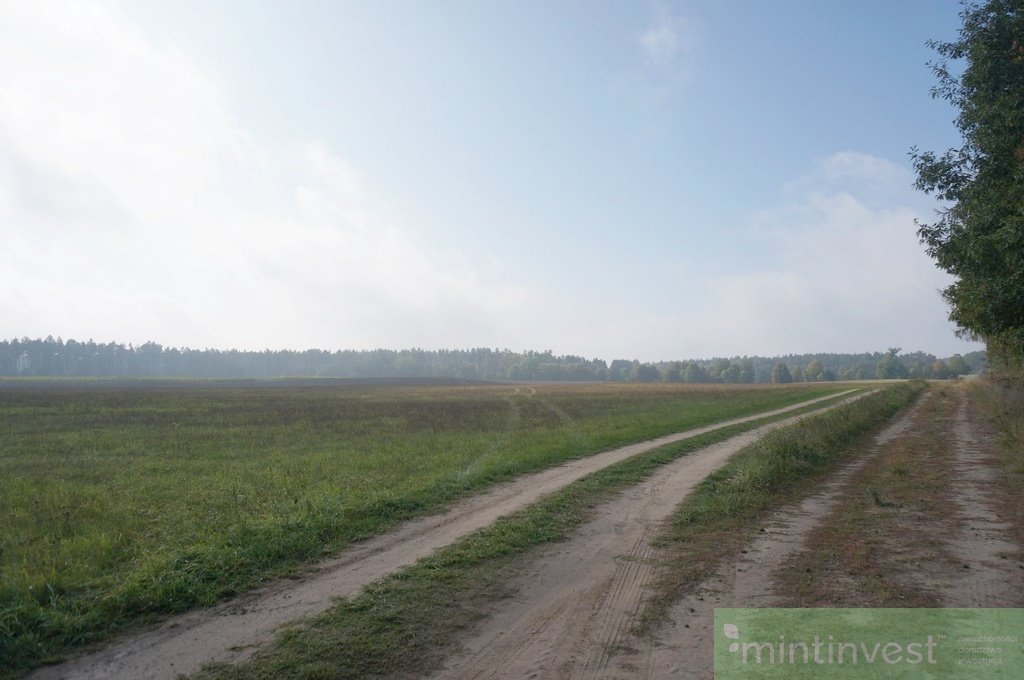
(869, 643)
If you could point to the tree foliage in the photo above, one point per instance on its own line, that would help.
(890, 367)
(695, 373)
(814, 371)
(645, 373)
(978, 236)
(781, 374)
(69, 358)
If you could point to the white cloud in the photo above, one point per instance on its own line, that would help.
(668, 37)
(660, 41)
(832, 265)
(835, 269)
(846, 165)
(133, 205)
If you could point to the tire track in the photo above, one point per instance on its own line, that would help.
(623, 605)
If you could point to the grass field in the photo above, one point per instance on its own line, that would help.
(118, 502)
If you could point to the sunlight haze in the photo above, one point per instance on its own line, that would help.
(658, 181)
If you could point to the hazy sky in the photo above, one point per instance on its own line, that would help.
(652, 180)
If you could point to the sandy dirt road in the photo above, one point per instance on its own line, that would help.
(971, 558)
(231, 632)
(683, 647)
(576, 601)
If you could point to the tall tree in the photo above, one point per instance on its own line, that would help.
(694, 373)
(730, 374)
(674, 372)
(747, 372)
(889, 366)
(957, 366)
(717, 368)
(645, 373)
(814, 371)
(781, 374)
(979, 234)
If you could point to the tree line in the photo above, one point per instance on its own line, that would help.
(978, 235)
(52, 357)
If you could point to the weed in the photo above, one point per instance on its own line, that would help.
(878, 500)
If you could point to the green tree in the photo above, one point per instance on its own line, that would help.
(957, 366)
(781, 374)
(731, 374)
(890, 367)
(695, 374)
(674, 372)
(619, 370)
(919, 370)
(979, 234)
(645, 373)
(747, 372)
(716, 369)
(814, 371)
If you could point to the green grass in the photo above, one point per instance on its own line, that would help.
(405, 624)
(999, 400)
(118, 503)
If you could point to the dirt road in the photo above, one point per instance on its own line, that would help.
(576, 601)
(683, 647)
(878, 534)
(232, 631)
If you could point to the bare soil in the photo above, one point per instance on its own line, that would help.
(231, 632)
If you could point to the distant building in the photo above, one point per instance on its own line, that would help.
(23, 363)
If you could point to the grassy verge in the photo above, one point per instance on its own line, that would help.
(717, 519)
(121, 503)
(405, 624)
(999, 400)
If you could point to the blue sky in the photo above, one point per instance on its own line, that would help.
(614, 179)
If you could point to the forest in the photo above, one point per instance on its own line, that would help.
(53, 358)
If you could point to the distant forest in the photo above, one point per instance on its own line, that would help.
(69, 358)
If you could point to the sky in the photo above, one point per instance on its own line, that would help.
(642, 180)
